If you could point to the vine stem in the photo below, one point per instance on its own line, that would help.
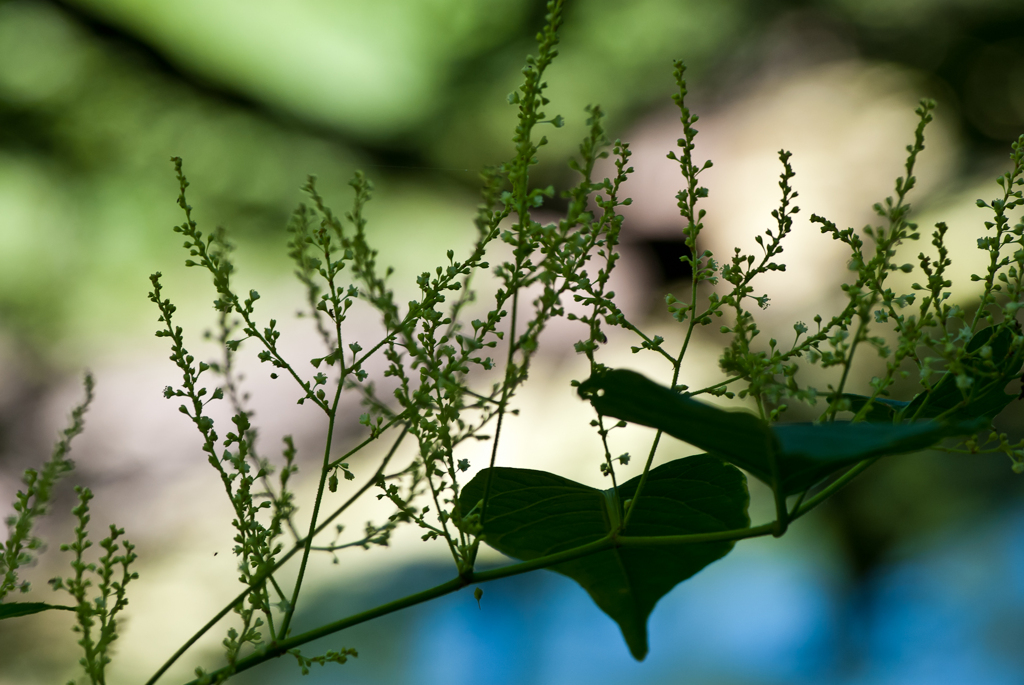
(325, 469)
(781, 514)
(677, 365)
(721, 384)
(832, 488)
(611, 541)
(847, 364)
(504, 402)
(280, 562)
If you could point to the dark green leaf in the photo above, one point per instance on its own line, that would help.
(810, 452)
(15, 609)
(737, 436)
(987, 395)
(533, 514)
(806, 453)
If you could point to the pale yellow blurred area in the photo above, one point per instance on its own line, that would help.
(847, 125)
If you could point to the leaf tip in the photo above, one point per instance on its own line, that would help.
(637, 643)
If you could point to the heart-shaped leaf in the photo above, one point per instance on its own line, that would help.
(15, 609)
(805, 453)
(533, 514)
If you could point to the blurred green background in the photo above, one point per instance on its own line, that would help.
(96, 95)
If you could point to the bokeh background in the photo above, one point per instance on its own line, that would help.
(914, 574)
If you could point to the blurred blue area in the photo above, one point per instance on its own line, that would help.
(953, 613)
(752, 618)
(771, 613)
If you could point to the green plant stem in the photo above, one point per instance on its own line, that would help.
(643, 478)
(397, 418)
(677, 365)
(290, 611)
(611, 541)
(848, 363)
(799, 501)
(720, 384)
(643, 336)
(300, 544)
(448, 587)
(781, 514)
(280, 648)
(832, 488)
(504, 399)
(696, 538)
(608, 461)
(428, 467)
